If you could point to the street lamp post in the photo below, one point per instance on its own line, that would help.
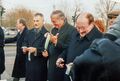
(1, 13)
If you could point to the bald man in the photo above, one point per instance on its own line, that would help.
(101, 61)
(81, 40)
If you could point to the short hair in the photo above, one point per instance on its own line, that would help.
(90, 17)
(23, 21)
(59, 12)
(39, 14)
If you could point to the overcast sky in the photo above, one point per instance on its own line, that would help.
(46, 6)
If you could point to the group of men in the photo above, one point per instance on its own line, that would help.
(35, 62)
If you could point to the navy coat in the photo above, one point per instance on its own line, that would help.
(2, 56)
(78, 45)
(101, 62)
(55, 73)
(36, 69)
(20, 59)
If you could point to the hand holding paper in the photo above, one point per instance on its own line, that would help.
(54, 38)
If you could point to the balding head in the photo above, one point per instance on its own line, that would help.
(87, 16)
(84, 23)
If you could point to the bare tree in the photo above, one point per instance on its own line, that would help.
(77, 11)
(14, 14)
(103, 8)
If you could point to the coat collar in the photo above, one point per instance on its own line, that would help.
(90, 36)
(63, 28)
(24, 30)
(41, 32)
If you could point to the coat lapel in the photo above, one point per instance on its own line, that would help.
(62, 30)
(22, 34)
(41, 32)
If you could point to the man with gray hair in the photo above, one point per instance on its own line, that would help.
(59, 41)
(36, 64)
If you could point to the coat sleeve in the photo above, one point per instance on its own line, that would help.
(40, 48)
(26, 39)
(1, 38)
(2, 56)
(64, 44)
(63, 55)
(67, 45)
(11, 40)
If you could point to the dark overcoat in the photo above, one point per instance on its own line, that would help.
(78, 45)
(20, 59)
(2, 56)
(36, 69)
(55, 73)
(101, 62)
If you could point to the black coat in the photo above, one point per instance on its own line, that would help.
(36, 69)
(101, 62)
(20, 60)
(64, 37)
(78, 45)
(2, 56)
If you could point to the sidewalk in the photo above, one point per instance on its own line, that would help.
(10, 51)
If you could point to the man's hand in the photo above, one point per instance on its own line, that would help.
(60, 63)
(32, 49)
(45, 53)
(54, 38)
(25, 50)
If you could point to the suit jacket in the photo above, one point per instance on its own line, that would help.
(36, 69)
(2, 56)
(20, 60)
(64, 37)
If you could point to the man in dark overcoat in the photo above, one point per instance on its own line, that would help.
(60, 38)
(36, 65)
(79, 43)
(20, 60)
(101, 61)
(2, 56)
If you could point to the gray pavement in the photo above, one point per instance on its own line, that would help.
(10, 51)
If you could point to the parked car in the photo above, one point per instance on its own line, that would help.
(9, 32)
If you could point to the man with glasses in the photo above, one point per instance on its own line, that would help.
(81, 40)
